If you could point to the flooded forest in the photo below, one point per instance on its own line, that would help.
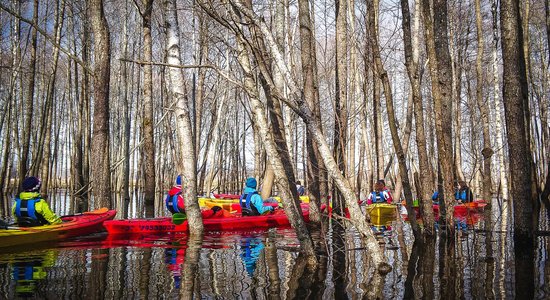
(321, 105)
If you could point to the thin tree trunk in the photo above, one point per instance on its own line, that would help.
(373, 7)
(183, 118)
(411, 62)
(341, 95)
(100, 143)
(487, 151)
(308, 56)
(29, 106)
(498, 105)
(437, 45)
(49, 106)
(148, 158)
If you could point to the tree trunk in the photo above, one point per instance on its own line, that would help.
(411, 62)
(49, 106)
(101, 173)
(309, 58)
(498, 105)
(183, 118)
(372, 7)
(29, 106)
(149, 177)
(487, 151)
(515, 93)
(437, 45)
(340, 107)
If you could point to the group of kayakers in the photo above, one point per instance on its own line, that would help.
(30, 209)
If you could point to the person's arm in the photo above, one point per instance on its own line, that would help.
(259, 204)
(369, 199)
(43, 209)
(387, 194)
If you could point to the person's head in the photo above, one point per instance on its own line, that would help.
(298, 182)
(462, 184)
(31, 184)
(251, 182)
(380, 185)
(178, 180)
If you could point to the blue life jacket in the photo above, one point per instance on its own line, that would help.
(26, 213)
(172, 203)
(378, 197)
(465, 195)
(246, 206)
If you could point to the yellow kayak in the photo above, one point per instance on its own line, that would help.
(381, 213)
(205, 202)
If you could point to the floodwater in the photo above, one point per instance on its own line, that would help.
(267, 265)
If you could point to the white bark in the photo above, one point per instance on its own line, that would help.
(183, 120)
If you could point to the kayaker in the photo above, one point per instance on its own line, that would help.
(381, 194)
(464, 193)
(435, 197)
(30, 209)
(176, 204)
(251, 202)
(300, 188)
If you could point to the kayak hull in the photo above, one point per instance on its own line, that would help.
(381, 213)
(232, 223)
(72, 226)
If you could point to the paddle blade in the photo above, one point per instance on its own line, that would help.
(178, 218)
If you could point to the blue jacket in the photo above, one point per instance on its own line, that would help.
(256, 200)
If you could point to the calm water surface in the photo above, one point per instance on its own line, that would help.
(267, 265)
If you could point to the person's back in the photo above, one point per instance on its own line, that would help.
(464, 193)
(251, 202)
(381, 194)
(300, 188)
(174, 200)
(30, 209)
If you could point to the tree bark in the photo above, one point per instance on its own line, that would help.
(101, 173)
(29, 100)
(437, 45)
(310, 88)
(411, 62)
(46, 131)
(487, 151)
(515, 93)
(341, 94)
(183, 119)
(372, 7)
(149, 177)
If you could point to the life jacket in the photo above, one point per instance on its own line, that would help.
(172, 203)
(246, 207)
(378, 197)
(26, 213)
(465, 195)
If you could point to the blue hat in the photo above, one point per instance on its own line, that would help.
(178, 180)
(31, 184)
(251, 182)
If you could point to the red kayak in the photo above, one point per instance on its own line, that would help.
(234, 222)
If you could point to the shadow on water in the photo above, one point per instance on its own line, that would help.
(480, 263)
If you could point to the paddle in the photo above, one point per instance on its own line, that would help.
(99, 211)
(178, 218)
